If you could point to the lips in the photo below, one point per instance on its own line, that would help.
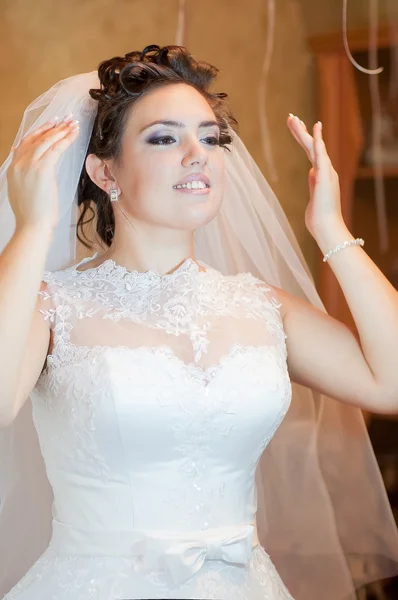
(195, 181)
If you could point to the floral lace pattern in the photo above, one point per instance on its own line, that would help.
(104, 578)
(156, 403)
(180, 303)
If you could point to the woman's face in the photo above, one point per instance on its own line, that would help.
(171, 170)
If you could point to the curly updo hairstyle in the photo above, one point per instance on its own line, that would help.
(123, 81)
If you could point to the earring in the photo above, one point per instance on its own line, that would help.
(113, 195)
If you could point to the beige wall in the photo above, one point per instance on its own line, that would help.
(47, 40)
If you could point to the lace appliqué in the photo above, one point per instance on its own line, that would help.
(204, 401)
(68, 412)
(180, 303)
(102, 578)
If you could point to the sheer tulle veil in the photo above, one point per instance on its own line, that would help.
(323, 514)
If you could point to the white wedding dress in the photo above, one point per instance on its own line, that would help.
(158, 398)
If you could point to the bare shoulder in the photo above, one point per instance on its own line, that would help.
(289, 303)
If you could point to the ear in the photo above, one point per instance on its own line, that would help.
(100, 174)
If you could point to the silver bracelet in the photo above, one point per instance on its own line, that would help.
(343, 246)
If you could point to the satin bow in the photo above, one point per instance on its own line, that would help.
(183, 557)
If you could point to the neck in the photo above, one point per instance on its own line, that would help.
(143, 248)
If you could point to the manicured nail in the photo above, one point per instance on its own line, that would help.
(320, 123)
(67, 118)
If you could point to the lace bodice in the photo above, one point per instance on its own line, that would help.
(156, 403)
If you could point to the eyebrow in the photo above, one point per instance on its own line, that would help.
(179, 124)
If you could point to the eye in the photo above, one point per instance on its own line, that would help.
(164, 140)
(212, 141)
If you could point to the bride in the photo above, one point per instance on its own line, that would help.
(160, 368)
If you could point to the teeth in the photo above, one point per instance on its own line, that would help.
(192, 185)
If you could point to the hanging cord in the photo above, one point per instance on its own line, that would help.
(381, 205)
(347, 47)
(262, 92)
(180, 33)
(376, 131)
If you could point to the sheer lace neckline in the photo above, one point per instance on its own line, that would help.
(110, 266)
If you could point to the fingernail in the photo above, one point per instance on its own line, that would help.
(53, 120)
(291, 115)
(67, 118)
(320, 123)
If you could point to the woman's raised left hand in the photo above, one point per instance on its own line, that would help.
(324, 208)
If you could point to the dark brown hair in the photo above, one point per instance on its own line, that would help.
(123, 81)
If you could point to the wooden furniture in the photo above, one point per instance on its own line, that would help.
(345, 110)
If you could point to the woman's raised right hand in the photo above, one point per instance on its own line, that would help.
(31, 176)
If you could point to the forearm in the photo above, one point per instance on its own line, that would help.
(22, 265)
(373, 302)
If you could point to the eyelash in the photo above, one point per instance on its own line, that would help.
(160, 141)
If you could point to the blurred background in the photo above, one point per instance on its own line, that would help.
(46, 40)
(310, 75)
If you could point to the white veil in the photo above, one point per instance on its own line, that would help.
(323, 514)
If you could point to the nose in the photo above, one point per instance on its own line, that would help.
(195, 154)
